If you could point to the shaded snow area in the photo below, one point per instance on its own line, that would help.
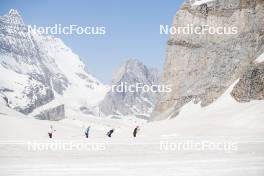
(260, 58)
(153, 152)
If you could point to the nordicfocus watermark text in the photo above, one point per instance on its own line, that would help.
(68, 30)
(65, 146)
(125, 87)
(140, 87)
(198, 146)
(199, 30)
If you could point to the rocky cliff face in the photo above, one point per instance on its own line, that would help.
(37, 69)
(200, 67)
(138, 103)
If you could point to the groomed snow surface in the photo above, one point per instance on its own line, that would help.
(223, 121)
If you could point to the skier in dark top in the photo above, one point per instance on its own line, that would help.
(109, 133)
(135, 131)
(87, 131)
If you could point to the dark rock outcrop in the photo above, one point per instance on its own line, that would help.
(250, 85)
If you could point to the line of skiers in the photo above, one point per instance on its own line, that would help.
(87, 130)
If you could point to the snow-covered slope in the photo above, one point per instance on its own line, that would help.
(39, 70)
(225, 116)
(17, 126)
(225, 121)
(199, 2)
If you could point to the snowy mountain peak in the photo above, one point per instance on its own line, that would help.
(43, 73)
(133, 62)
(13, 12)
(14, 17)
(132, 65)
(132, 68)
(138, 103)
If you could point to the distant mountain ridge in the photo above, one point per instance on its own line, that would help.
(47, 80)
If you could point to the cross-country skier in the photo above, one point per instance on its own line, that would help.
(87, 131)
(109, 133)
(51, 131)
(135, 131)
